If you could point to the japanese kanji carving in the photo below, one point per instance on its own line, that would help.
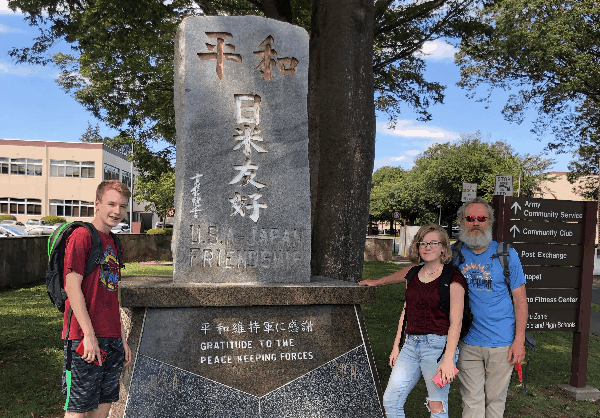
(196, 199)
(247, 108)
(287, 65)
(248, 138)
(265, 54)
(247, 172)
(217, 51)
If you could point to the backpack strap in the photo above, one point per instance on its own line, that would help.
(444, 292)
(412, 273)
(457, 257)
(502, 256)
(119, 249)
(444, 287)
(95, 256)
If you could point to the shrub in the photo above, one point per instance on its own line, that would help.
(160, 231)
(7, 218)
(51, 220)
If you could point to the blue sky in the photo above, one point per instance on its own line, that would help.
(32, 106)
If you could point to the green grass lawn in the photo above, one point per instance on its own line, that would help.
(550, 363)
(31, 356)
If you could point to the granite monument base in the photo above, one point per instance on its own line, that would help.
(276, 350)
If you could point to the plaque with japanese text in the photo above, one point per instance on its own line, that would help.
(267, 361)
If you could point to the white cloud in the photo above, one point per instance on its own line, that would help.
(408, 129)
(437, 50)
(26, 70)
(412, 152)
(7, 29)
(392, 161)
(4, 8)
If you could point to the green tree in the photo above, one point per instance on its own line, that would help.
(439, 172)
(393, 188)
(384, 199)
(546, 50)
(157, 193)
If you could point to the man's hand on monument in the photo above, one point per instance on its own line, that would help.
(516, 352)
(368, 283)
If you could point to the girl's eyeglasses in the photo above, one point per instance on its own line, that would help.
(432, 244)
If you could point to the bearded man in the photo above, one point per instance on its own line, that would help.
(495, 342)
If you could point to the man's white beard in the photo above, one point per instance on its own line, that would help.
(476, 241)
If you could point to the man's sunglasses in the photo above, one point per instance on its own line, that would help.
(479, 218)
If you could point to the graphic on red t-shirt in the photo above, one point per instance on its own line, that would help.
(109, 277)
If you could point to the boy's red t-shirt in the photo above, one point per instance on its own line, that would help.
(100, 288)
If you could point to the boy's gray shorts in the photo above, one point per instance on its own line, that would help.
(92, 385)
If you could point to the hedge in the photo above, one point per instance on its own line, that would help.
(160, 231)
(51, 220)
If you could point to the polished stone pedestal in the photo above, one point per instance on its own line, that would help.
(276, 350)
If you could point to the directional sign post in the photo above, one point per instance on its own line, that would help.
(469, 191)
(555, 243)
(504, 185)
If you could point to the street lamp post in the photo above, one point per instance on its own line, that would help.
(131, 197)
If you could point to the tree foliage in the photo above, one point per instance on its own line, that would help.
(549, 51)
(435, 181)
(120, 66)
(158, 193)
(401, 29)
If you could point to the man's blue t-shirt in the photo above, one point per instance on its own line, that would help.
(491, 304)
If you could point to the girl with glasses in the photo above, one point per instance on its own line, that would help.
(430, 333)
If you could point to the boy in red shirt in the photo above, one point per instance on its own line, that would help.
(95, 311)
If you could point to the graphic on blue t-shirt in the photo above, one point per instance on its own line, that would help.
(489, 297)
(477, 276)
(110, 277)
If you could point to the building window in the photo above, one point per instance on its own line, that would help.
(4, 166)
(34, 167)
(13, 206)
(88, 169)
(69, 168)
(21, 166)
(126, 178)
(110, 172)
(17, 166)
(74, 208)
(72, 169)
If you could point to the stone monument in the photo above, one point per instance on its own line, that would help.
(242, 189)
(242, 329)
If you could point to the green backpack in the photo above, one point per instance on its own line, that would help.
(56, 256)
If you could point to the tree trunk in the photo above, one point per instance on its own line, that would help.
(278, 9)
(341, 117)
